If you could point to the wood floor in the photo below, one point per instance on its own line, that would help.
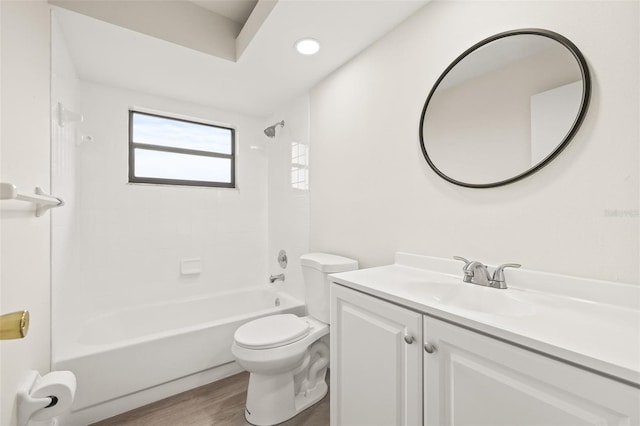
(220, 403)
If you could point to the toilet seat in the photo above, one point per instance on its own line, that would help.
(271, 332)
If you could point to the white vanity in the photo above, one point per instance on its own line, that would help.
(412, 344)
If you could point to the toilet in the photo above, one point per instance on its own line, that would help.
(287, 356)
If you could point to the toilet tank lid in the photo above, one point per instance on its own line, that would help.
(329, 263)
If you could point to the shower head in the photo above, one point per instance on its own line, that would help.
(271, 130)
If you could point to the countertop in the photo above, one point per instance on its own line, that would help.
(589, 323)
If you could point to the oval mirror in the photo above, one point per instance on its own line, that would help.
(505, 108)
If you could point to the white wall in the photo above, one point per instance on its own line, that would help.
(373, 193)
(24, 152)
(288, 206)
(130, 238)
(65, 139)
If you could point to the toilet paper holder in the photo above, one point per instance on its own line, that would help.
(30, 406)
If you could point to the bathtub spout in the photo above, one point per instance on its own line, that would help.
(274, 278)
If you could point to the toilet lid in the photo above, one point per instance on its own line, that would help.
(271, 331)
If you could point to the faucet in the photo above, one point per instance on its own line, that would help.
(476, 272)
(274, 278)
(479, 273)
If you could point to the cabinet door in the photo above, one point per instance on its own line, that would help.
(473, 379)
(376, 375)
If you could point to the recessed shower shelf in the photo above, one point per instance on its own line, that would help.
(42, 200)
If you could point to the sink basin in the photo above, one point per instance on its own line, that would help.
(471, 297)
(486, 300)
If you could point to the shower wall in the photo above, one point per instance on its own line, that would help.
(134, 236)
(288, 179)
(117, 244)
(64, 138)
(129, 239)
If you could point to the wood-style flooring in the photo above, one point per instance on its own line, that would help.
(220, 403)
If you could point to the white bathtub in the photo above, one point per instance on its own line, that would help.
(126, 351)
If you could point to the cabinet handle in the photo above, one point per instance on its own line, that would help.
(409, 338)
(429, 348)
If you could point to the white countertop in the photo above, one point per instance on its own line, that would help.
(594, 324)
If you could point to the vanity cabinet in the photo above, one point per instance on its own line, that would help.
(392, 365)
(376, 361)
(473, 379)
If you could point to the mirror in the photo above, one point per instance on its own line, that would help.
(505, 108)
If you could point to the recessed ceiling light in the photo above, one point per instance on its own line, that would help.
(307, 46)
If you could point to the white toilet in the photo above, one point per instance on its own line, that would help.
(286, 354)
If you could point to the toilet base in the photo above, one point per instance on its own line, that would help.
(270, 401)
(306, 399)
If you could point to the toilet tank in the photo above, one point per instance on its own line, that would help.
(316, 268)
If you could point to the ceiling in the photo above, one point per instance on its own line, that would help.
(236, 10)
(267, 75)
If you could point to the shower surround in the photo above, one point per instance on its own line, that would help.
(117, 247)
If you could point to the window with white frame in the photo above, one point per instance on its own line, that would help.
(299, 166)
(167, 150)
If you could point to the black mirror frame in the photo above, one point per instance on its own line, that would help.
(584, 104)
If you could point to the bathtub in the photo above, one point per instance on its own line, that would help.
(119, 353)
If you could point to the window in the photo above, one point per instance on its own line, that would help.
(299, 166)
(173, 151)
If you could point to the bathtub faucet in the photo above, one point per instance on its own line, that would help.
(274, 278)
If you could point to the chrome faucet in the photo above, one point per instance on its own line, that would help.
(477, 273)
(274, 278)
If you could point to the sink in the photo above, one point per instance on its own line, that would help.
(471, 297)
(486, 300)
